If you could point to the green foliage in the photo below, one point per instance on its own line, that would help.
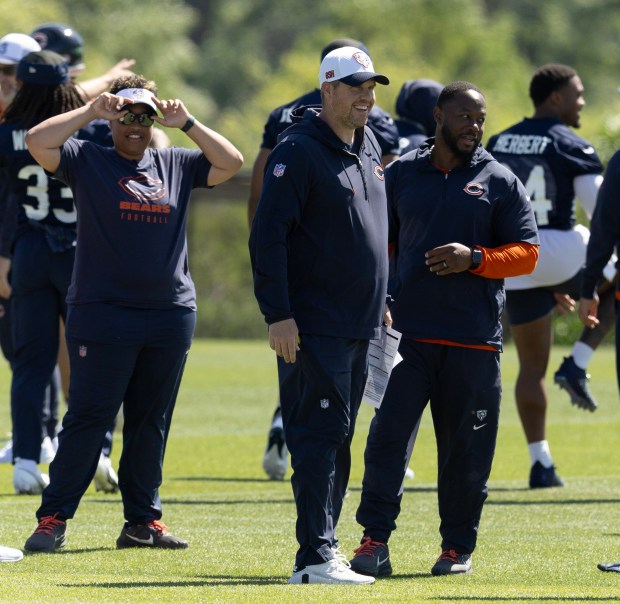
(220, 267)
(534, 546)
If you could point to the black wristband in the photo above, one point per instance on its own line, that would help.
(188, 124)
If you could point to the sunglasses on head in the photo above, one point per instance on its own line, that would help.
(8, 70)
(144, 119)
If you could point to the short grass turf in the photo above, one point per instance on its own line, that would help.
(534, 546)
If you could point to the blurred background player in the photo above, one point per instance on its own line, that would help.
(414, 110)
(555, 165)
(42, 241)
(13, 47)
(275, 459)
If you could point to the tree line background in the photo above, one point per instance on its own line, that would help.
(233, 61)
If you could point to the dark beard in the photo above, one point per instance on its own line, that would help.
(452, 144)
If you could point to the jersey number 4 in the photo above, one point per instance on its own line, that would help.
(537, 190)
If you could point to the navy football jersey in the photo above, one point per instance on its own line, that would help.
(42, 201)
(379, 121)
(547, 155)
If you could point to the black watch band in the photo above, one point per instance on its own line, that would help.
(476, 259)
(188, 124)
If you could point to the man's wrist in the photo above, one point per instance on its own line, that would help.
(476, 259)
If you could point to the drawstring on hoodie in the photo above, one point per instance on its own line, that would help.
(359, 167)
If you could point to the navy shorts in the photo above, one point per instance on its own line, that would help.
(527, 305)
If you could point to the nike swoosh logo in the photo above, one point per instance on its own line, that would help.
(148, 541)
(480, 426)
(380, 562)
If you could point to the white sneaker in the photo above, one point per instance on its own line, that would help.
(48, 451)
(6, 453)
(27, 479)
(10, 554)
(106, 479)
(409, 474)
(332, 572)
(275, 460)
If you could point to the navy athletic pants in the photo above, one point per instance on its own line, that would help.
(39, 279)
(464, 389)
(320, 396)
(119, 355)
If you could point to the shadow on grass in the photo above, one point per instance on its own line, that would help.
(553, 502)
(222, 479)
(207, 502)
(208, 581)
(68, 552)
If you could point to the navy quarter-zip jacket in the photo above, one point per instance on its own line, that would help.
(478, 203)
(318, 242)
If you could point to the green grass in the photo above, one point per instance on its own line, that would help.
(534, 546)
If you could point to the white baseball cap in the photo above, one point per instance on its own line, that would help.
(14, 47)
(139, 95)
(349, 65)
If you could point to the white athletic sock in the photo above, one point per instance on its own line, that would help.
(582, 354)
(277, 422)
(539, 451)
(28, 464)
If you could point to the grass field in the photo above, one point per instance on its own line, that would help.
(534, 546)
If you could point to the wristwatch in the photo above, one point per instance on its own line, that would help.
(476, 259)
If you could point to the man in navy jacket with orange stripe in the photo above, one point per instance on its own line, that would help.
(459, 224)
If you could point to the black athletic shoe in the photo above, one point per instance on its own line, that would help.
(153, 534)
(48, 536)
(452, 563)
(541, 477)
(574, 380)
(372, 558)
(275, 459)
(614, 567)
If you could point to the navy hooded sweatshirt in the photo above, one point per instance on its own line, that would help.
(318, 243)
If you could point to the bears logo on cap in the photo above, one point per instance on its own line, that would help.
(363, 59)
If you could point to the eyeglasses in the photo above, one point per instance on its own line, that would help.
(144, 119)
(8, 70)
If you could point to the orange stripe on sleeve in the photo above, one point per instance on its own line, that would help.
(507, 260)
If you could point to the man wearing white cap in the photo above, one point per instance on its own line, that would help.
(319, 255)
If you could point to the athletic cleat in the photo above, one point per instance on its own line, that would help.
(275, 460)
(332, 572)
(452, 563)
(48, 536)
(541, 477)
(153, 534)
(574, 380)
(27, 479)
(105, 478)
(372, 558)
(10, 554)
(614, 567)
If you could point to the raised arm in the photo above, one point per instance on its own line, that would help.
(45, 139)
(224, 157)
